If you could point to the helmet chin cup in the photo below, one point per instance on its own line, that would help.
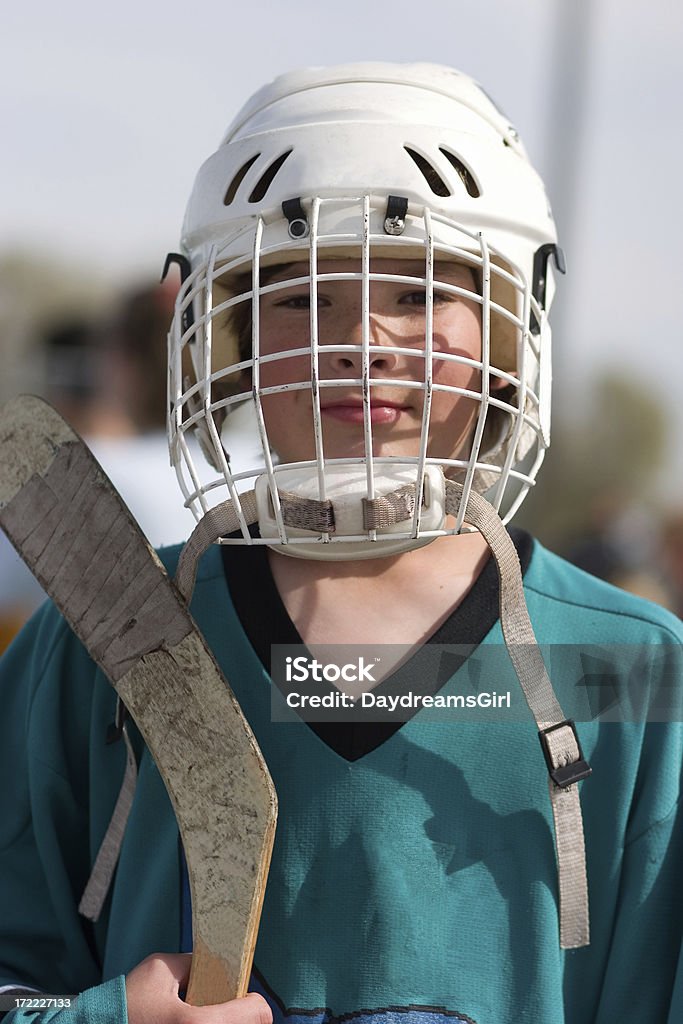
(349, 510)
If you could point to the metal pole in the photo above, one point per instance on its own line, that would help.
(570, 77)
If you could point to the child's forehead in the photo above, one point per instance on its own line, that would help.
(444, 270)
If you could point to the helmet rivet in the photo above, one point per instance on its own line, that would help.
(298, 228)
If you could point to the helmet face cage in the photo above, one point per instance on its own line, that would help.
(282, 190)
(506, 443)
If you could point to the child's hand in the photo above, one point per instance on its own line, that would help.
(152, 994)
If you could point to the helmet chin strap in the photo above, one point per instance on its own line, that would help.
(298, 512)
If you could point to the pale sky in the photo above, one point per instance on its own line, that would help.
(106, 113)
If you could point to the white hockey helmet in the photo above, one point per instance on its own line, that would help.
(362, 161)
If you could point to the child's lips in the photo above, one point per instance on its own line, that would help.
(352, 412)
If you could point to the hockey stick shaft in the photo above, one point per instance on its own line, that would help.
(73, 531)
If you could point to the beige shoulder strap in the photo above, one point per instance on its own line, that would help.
(561, 749)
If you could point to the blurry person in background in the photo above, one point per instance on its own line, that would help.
(133, 369)
(107, 377)
(132, 381)
(134, 355)
(69, 354)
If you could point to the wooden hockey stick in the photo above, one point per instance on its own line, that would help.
(74, 532)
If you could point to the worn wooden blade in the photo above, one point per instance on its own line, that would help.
(74, 532)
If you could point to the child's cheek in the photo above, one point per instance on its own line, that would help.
(285, 371)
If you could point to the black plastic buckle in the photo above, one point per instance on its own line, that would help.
(566, 774)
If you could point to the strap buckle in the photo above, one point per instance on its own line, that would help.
(565, 774)
(117, 728)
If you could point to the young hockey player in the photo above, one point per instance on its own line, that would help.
(368, 267)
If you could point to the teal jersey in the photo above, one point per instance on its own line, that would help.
(416, 883)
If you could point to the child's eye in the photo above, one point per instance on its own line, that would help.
(295, 302)
(302, 301)
(419, 298)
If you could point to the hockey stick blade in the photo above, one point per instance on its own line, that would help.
(62, 514)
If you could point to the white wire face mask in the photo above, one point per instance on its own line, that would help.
(293, 317)
(368, 377)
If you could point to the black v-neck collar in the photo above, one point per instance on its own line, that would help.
(265, 621)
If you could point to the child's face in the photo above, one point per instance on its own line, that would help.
(397, 321)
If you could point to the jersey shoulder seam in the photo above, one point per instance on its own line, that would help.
(606, 611)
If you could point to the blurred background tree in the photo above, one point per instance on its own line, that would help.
(608, 453)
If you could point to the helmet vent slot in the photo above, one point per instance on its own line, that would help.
(237, 180)
(266, 179)
(429, 173)
(463, 172)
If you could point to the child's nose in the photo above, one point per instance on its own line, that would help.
(348, 334)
